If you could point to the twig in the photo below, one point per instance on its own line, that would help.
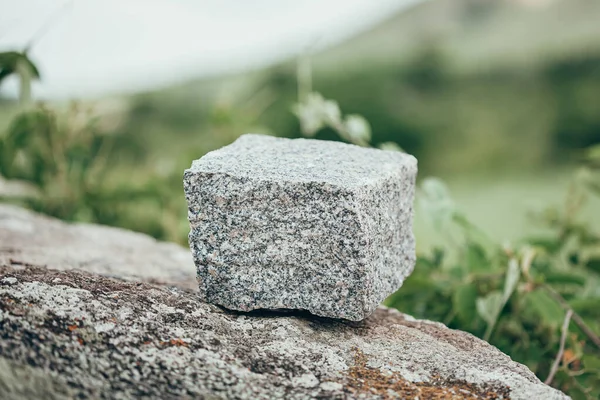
(561, 350)
(576, 317)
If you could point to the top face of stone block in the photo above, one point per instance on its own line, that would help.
(303, 160)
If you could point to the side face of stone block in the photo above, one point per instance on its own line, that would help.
(301, 224)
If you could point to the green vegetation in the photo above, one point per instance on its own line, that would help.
(18, 63)
(67, 168)
(519, 296)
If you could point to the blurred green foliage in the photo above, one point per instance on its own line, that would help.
(18, 63)
(535, 117)
(67, 169)
(516, 295)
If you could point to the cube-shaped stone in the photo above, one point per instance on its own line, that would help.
(301, 224)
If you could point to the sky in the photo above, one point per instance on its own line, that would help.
(90, 48)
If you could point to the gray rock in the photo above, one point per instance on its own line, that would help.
(75, 334)
(301, 224)
(27, 238)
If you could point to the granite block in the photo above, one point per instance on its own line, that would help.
(301, 224)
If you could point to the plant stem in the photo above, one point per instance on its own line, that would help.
(561, 349)
(576, 317)
(488, 332)
(490, 327)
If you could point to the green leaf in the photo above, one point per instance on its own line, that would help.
(415, 284)
(472, 232)
(488, 307)
(591, 362)
(4, 162)
(431, 262)
(565, 278)
(594, 187)
(391, 146)
(435, 200)
(587, 307)
(457, 273)
(550, 244)
(463, 300)
(510, 281)
(476, 258)
(357, 129)
(593, 153)
(593, 264)
(545, 307)
(310, 114)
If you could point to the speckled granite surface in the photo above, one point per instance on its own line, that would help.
(301, 224)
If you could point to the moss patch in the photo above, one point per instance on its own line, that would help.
(364, 379)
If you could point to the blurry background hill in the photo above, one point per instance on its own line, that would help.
(497, 97)
(490, 95)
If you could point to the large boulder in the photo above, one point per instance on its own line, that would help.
(27, 238)
(73, 333)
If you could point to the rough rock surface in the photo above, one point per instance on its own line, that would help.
(66, 334)
(27, 238)
(301, 224)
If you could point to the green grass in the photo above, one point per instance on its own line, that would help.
(500, 204)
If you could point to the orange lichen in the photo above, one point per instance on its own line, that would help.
(174, 342)
(364, 379)
(568, 357)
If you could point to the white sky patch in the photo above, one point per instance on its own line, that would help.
(95, 47)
